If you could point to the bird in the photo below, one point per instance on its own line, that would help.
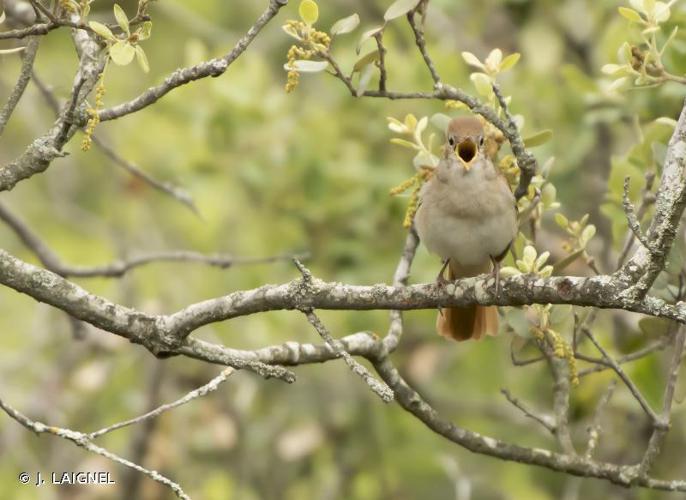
(467, 215)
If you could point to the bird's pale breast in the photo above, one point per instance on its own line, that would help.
(469, 218)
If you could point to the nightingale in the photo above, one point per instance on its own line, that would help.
(467, 215)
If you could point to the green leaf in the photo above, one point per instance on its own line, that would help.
(420, 128)
(563, 263)
(12, 51)
(617, 84)
(309, 12)
(404, 143)
(548, 195)
(396, 125)
(102, 30)
(424, 159)
(305, 66)
(538, 138)
(624, 53)
(121, 18)
(291, 31)
(400, 8)
(365, 78)
(482, 83)
(630, 14)
(611, 69)
(637, 5)
(541, 260)
(662, 12)
(366, 36)
(122, 53)
(440, 121)
(561, 220)
(345, 25)
(366, 59)
(144, 30)
(509, 61)
(472, 60)
(494, 59)
(587, 234)
(142, 59)
(665, 120)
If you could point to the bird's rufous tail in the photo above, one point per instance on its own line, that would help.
(470, 322)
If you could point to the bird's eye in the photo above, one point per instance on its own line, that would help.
(451, 141)
(481, 141)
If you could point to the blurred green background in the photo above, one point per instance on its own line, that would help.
(310, 171)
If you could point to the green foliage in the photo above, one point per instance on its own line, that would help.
(123, 48)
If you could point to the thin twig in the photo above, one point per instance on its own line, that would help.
(379, 388)
(654, 418)
(544, 420)
(42, 9)
(560, 372)
(83, 441)
(631, 218)
(525, 160)
(602, 365)
(400, 278)
(194, 394)
(28, 57)
(338, 73)
(661, 427)
(421, 45)
(178, 193)
(213, 67)
(522, 362)
(118, 268)
(594, 428)
(647, 199)
(414, 404)
(382, 60)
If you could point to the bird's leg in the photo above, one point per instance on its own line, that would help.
(496, 275)
(440, 279)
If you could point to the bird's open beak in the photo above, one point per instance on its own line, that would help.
(466, 151)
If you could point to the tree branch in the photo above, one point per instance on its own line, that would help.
(211, 386)
(118, 268)
(28, 57)
(645, 265)
(544, 420)
(84, 441)
(41, 152)
(214, 67)
(413, 403)
(379, 388)
(661, 427)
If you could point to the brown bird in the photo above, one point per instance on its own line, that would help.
(467, 216)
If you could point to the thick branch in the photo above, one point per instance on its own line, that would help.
(41, 152)
(646, 263)
(164, 333)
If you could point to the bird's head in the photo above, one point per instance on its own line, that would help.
(466, 138)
